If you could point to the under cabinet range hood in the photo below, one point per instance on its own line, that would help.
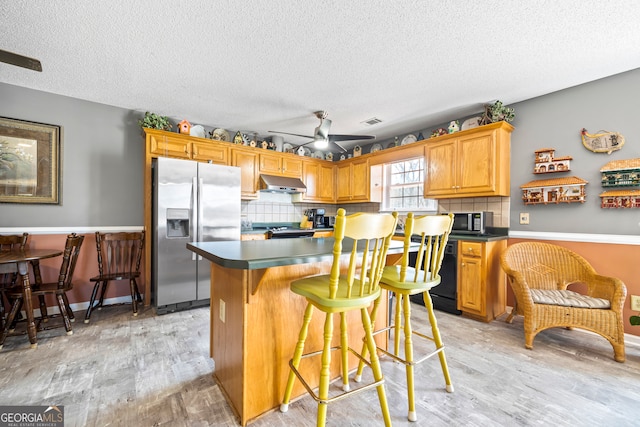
(281, 184)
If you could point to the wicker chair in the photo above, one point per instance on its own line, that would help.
(539, 274)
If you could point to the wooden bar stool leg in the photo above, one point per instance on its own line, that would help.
(438, 340)
(408, 355)
(297, 355)
(365, 350)
(325, 372)
(344, 351)
(375, 365)
(397, 323)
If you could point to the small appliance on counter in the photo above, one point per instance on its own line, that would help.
(471, 222)
(329, 221)
(316, 217)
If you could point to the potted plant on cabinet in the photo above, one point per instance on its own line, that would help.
(497, 112)
(154, 121)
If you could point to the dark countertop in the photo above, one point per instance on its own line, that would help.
(496, 233)
(257, 254)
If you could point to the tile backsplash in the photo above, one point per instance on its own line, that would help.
(278, 207)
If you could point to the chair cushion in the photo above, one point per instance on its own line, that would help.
(567, 299)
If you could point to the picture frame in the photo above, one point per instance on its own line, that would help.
(29, 162)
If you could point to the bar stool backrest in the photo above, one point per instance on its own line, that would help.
(371, 234)
(433, 231)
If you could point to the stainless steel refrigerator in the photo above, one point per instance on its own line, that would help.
(192, 202)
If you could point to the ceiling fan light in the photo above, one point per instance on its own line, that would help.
(321, 144)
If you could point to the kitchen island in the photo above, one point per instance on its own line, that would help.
(255, 318)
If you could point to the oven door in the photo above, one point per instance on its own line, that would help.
(444, 296)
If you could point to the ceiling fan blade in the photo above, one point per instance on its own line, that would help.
(335, 138)
(344, 150)
(294, 134)
(20, 60)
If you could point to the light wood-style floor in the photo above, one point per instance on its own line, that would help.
(155, 371)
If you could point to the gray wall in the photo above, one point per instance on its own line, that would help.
(103, 156)
(102, 160)
(555, 121)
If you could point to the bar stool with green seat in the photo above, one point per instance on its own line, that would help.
(369, 236)
(404, 281)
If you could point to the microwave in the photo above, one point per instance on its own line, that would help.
(471, 222)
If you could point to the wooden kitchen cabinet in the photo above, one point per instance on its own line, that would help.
(481, 281)
(319, 178)
(280, 164)
(471, 163)
(166, 144)
(352, 181)
(247, 161)
(210, 152)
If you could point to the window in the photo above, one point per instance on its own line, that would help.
(403, 187)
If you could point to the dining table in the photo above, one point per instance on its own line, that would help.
(18, 261)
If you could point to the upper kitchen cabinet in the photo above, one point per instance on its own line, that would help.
(470, 163)
(166, 144)
(247, 161)
(352, 183)
(319, 178)
(210, 152)
(280, 164)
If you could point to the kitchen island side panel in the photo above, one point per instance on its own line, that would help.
(269, 327)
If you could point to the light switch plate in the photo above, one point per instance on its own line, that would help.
(524, 218)
(635, 302)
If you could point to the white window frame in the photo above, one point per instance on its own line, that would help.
(424, 205)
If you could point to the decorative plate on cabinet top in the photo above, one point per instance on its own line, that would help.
(318, 155)
(376, 147)
(471, 123)
(287, 148)
(409, 139)
(220, 135)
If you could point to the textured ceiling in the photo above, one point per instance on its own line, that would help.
(268, 65)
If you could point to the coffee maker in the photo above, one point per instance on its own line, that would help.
(316, 217)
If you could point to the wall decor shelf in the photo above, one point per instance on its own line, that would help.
(621, 173)
(547, 162)
(556, 190)
(620, 199)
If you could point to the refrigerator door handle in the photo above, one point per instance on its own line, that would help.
(200, 211)
(194, 215)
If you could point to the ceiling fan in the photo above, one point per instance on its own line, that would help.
(20, 60)
(321, 136)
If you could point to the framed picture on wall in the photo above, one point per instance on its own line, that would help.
(29, 162)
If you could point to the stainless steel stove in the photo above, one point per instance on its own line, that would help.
(288, 233)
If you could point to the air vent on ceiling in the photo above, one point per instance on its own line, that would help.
(372, 121)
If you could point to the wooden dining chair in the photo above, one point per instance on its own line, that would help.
(7, 280)
(334, 293)
(404, 281)
(59, 288)
(119, 256)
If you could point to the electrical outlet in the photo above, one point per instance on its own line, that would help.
(222, 311)
(635, 302)
(524, 218)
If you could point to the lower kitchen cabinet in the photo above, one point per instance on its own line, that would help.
(481, 281)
